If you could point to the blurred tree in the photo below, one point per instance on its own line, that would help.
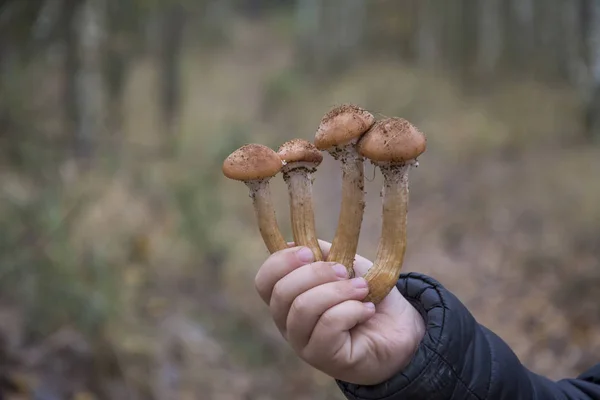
(592, 107)
(308, 15)
(572, 55)
(256, 9)
(329, 34)
(462, 32)
(171, 38)
(352, 16)
(71, 65)
(391, 28)
(17, 20)
(451, 33)
(521, 27)
(123, 33)
(428, 34)
(91, 29)
(489, 39)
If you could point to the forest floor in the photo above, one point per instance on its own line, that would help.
(504, 211)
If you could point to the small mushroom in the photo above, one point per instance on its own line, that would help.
(338, 134)
(301, 159)
(392, 144)
(255, 165)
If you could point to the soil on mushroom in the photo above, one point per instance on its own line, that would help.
(345, 108)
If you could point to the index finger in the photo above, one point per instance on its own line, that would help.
(278, 265)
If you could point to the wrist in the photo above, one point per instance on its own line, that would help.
(409, 335)
(418, 329)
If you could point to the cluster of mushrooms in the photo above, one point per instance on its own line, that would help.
(350, 134)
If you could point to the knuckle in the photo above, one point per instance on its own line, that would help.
(328, 319)
(278, 293)
(323, 270)
(300, 307)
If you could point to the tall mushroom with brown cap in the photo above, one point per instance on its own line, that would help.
(393, 144)
(338, 133)
(255, 165)
(301, 159)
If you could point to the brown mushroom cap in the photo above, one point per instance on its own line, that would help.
(341, 125)
(252, 161)
(300, 150)
(392, 140)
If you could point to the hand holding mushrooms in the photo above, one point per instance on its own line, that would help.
(341, 313)
(322, 315)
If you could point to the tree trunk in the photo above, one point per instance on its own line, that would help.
(350, 30)
(548, 38)
(170, 75)
(310, 43)
(119, 52)
(489, 43)
(71, 65)
(466, 33)
(7, 58)
(571, 59)
(89, 78)
(592, 109)
(427, 34)
(523, 36)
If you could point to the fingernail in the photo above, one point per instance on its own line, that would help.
(305, 254)
(340, 270)
(370, 306)
(359, 283)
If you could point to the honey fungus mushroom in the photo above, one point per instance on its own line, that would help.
(392, 144)
(301, 159)
(339, 131)
(255, 165)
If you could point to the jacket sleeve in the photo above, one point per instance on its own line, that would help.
(459, 359)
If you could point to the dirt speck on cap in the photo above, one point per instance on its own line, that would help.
(344, 108)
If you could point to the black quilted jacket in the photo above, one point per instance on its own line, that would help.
(458, 359)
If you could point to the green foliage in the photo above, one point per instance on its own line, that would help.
(40, 270)
(197, 194)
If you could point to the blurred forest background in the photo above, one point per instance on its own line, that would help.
(127, 260)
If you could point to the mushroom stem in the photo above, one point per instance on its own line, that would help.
(299, 180)
(260, 193)
(384, 273)
(338, 133)
(345, 242)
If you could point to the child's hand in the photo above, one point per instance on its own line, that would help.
(321, 314)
